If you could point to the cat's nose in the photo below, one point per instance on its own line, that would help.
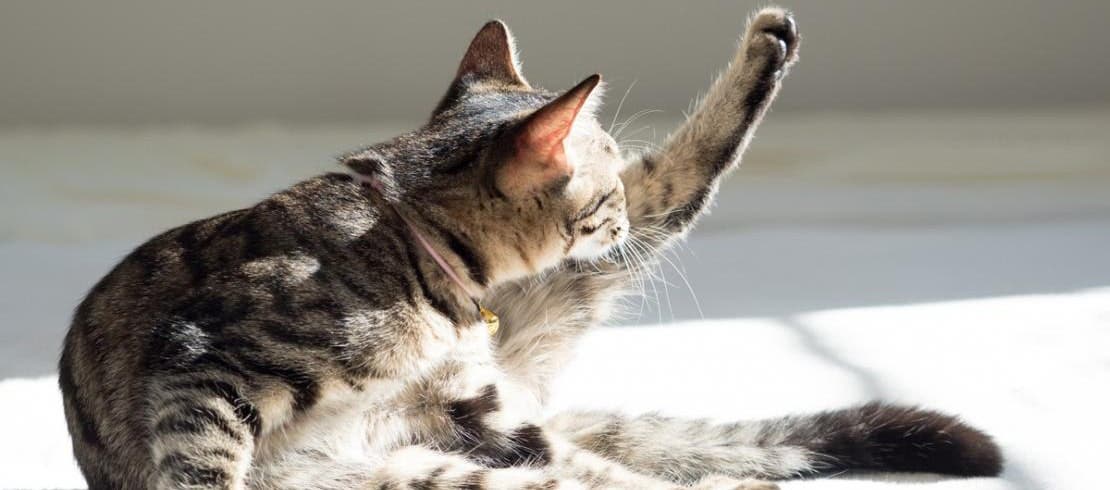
(616, 232)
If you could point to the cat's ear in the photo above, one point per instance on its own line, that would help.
(539, 157)
(491, 57)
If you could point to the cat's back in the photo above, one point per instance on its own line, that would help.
(182, 291)
(239, 251)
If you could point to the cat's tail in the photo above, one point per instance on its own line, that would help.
(875, 437)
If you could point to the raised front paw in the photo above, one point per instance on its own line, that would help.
(772, 36)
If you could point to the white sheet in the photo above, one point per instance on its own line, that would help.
(1031, 370)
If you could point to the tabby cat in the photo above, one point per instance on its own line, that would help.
(335, 335)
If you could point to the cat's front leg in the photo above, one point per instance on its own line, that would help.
(669, 188)
(666, 191)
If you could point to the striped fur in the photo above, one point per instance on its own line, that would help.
(310, 341)
(868, 437)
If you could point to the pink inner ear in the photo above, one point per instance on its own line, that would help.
(541, 141)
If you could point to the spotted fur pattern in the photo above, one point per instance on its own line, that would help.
(311, 342)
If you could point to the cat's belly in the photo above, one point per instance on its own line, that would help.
(346, 425)
(366, 424)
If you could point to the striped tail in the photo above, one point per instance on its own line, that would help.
(884, 437)
(874, 437)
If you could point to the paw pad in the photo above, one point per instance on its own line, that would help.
(778, 24)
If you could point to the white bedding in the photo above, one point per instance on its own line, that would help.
(1031, 370)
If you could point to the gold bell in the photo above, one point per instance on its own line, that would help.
(492, 322)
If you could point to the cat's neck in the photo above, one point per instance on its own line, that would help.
(451, 272)
(449, 257)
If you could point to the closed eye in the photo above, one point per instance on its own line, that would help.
(589, 230)
(591, 209)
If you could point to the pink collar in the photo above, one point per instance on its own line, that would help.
(492, 322)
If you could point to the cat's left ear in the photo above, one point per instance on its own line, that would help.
(538, 157)
(491, 57)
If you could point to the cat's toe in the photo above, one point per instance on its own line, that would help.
(773, 32)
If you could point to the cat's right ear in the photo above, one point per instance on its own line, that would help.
(539, 158)
(491, 57)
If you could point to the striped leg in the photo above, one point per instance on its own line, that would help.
(412, 467)
(489, 425)
(596, 471)
(492, 437)
(418, 467)
(685, 451)
(203, 435)
(668, 189)
(415, 467)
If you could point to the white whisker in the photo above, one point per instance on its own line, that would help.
(620, 105)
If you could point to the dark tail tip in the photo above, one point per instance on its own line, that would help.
(884, 437)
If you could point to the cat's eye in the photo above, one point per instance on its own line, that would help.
(592, 208)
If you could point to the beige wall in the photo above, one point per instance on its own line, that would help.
(137, 62)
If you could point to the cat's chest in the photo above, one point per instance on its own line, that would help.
(419, 353)
(404, 343)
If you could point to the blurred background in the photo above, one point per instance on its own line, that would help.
(924, 216)
(920, 151)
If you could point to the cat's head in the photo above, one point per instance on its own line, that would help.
(525, 177)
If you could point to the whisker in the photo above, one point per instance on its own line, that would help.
(682, 275)
(631, 119)
(645, 262)
(620, 105)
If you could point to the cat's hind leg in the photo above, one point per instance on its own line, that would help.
(875, 437)
(422, 468)
(416, 467)
(412, 467)
(202, 435)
